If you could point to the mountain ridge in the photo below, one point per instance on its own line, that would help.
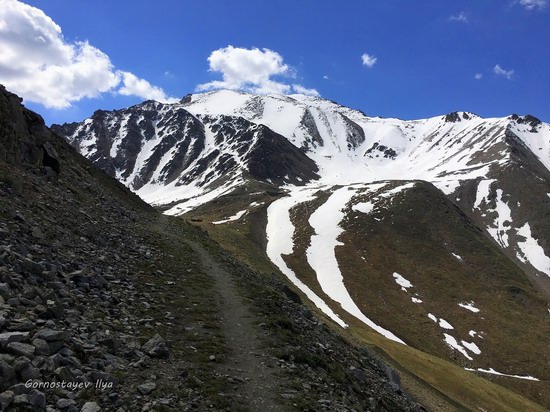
(186, 154)
(349, 207)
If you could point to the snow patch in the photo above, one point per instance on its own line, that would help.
(472, 347)
(451, 341)
(483, 192)
(444, 324)
(401, 281)
(502, 221)
(236, 216)
(494, 372)
(531, 251)
(469, 306)
(366, 207)
(457, 256)
(415, 300)
(189, 197)
(441, 322)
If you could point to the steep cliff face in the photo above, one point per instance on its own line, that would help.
(25, 139)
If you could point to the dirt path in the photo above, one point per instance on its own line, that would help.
(247, 362)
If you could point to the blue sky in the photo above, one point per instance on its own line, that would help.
(425, 58)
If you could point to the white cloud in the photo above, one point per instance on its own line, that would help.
(368, 60)
(499, 71)
(533, 4)
(37, 63)
(302, 90)
(134, 86)
(478, 76)
(460, 17)
(251, 70)
(326, 77)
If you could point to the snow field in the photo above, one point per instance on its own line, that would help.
(236, 216)
(321, 255)
(280, 233)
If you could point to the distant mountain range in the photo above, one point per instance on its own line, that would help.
(434, 233)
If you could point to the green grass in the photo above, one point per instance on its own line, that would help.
(463, 387)
(421, 252)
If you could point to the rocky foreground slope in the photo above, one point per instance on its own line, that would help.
(107, 305)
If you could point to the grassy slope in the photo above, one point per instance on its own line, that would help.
(432, 379)
(512, 317)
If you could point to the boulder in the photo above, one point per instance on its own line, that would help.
(156, 347)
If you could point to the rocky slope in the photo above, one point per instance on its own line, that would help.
(117, 307)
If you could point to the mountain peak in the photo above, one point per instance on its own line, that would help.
(207, 140)
(526, 119)
(454, 117)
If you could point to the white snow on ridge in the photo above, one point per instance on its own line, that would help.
(538, 141)
(236, 216)
(434, 150)
(389, 194)
(531, 251)
(401, 281)
(119, 138)
(321, 255)
(280, 233)
(494, 372)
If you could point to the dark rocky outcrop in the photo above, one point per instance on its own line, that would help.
(275, 159)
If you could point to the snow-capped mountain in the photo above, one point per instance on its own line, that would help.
(188, 153)
(441, 221)
(175, 152)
